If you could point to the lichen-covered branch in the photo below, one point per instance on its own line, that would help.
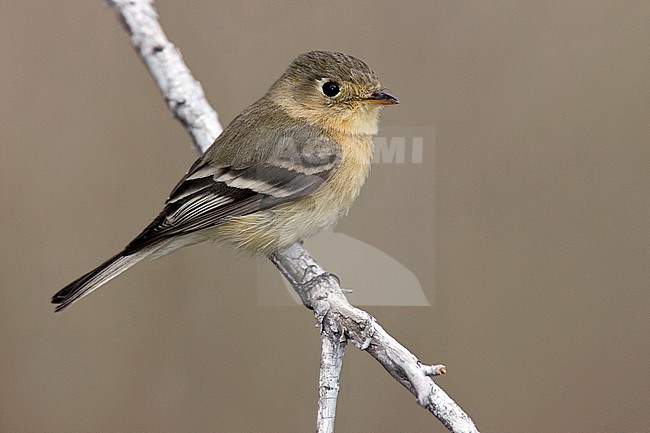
(339, 321)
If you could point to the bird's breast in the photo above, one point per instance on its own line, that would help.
(276, 228)
(333, 199)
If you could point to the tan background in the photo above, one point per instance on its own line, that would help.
(540, 301)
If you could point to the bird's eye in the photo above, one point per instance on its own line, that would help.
(330, 89)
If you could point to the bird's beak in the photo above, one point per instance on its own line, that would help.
(380, 97)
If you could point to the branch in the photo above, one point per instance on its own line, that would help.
(332, 350)
(319, 291)
(184, 95)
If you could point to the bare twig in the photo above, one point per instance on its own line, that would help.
(339, 321)
(321, 292)
(184, 95)
(332, 351)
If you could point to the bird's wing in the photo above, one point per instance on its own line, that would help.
(213, 192)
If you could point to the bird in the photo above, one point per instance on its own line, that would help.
(286, 168)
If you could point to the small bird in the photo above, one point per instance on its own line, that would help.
(289, 166)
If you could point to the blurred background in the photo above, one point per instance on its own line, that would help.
(527, 230)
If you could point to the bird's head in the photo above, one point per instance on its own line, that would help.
(333, 90)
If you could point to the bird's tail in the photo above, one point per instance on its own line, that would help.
(94, 279)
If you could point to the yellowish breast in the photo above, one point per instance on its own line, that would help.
(274, 229)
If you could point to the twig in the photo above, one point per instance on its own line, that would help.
(333, 311)
(332, 351)
(339, 321)
(184, 95)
